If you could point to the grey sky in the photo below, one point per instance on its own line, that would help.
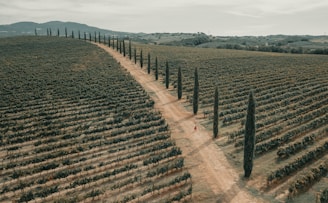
(216, 17)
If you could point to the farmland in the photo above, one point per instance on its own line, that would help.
(74, 126)
(291, 94)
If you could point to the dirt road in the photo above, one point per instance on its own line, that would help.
(214, 180)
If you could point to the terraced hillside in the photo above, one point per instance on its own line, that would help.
(291, 93)
(74, 126)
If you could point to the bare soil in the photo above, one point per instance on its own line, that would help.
(214, 179)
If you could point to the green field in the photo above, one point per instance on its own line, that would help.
(291, 93)
(75, 127)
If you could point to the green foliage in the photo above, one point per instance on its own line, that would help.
(324, 196)
(117, 44)
(216, 114)
(196, 92)
(135, 55)
(179, 83)
(148, 64)
(123, 44)
(156, 68)
(75, 82)
(130, 50)
(167, 75)
(249, 145)
(141, 59)
(26, 197)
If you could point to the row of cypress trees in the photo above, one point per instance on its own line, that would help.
(249, 139)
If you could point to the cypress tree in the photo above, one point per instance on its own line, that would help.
(113, 42)
(72, 34)
(79, 34)
(179, 83)
(117, 44)
(167, 75)
(50, 32)
(124, 53)
(66, 32)
(156, 69)
(148, 65)
(108, 40)
(99, 37)
(130, 49)
(216, 114)
(120, 47)
(249, 143)
(58, 32)
(141, 59)
(85, 36)
(95, 36)
(135, 56)
(196, 92)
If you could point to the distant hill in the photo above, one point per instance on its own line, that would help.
(271, 43)
(29, 28)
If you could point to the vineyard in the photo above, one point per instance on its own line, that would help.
(291, 93)
(74, 127)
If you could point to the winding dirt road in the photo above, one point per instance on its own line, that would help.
(214, 180)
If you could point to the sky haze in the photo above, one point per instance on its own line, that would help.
(214, 17)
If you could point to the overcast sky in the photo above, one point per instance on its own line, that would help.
(216, 17)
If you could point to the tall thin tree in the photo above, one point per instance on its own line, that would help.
(148, 64)
(120, 47)
(79, 34)
(58, 32)
(135, 56)
(108, 40)
(130, 50)
(117, 44)
(85, 36)
(95, 36)
(196, 92)
(249, 143)
(50, 32)
(66, 32)
(216, 114)
(156, 69)
(99, 37)
(167, 75)
(179, 83)
(123, 44)
(141, 59)
(72, 34)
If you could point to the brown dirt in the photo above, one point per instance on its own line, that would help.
(214, 179)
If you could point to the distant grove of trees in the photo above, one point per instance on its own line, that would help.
(275, 48)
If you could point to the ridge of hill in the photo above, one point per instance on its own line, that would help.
(271, 43)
